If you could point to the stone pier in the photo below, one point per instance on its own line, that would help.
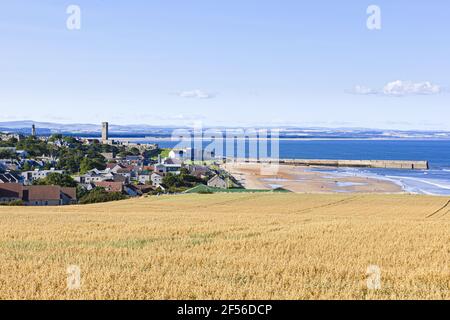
(382, 164)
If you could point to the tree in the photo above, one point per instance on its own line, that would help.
(69, 162)
(70, 140)
(11, 142)
(92, 163)
(135, 151)
(27, 166)
(183, 180)
(57, 179)
(81, 191)
(34, 147)
(7, 154)
(15, 203)
(55, 137)
(99, 195)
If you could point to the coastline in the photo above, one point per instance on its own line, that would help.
(171, 139)
(302, 179)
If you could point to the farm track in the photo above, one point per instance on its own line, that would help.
(327, 205)
(228, 202)
(439, 210)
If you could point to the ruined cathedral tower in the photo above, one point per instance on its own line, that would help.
(105, 132)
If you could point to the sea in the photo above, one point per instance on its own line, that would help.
(435, 181)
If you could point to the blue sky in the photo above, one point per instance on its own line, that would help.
(229, 62)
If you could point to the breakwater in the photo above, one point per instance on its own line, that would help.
(380, 164)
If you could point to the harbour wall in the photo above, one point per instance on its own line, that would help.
(381, 164)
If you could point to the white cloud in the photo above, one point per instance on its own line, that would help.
(401, 88)
(196, 94)
(363, 90)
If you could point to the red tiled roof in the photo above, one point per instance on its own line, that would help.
(110, 165)
(42, 193)
(110, 186)
(35, 193)
(145, 188)
(11, 190)
(70, 192)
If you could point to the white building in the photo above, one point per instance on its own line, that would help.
(94, 176)
(144, 178)
(191, 154)
(156, 179)
(31, 176)
(164, 168)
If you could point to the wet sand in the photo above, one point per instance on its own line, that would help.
(303, 180)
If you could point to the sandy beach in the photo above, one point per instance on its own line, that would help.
(304, 180)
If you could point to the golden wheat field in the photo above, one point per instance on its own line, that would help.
(229, 246)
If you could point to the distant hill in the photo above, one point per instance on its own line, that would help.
(143, 130)
(44, 128)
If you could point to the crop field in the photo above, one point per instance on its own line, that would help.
(230, 246)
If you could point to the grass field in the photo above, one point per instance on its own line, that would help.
(229, 246)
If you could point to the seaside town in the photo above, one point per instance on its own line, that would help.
(63, 170)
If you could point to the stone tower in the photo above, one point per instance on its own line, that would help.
(105, 132)
(33, 130)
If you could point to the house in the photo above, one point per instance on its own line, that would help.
(8, 136)
(156, 179)
(111, 165)
(9, 164)
(32, 163)
(218, 182)
(95, 175)
(109, 156)
(144, 188)
(199, 171)
(119, 178)
(49, 196)
(128, 171)
(222, 182)
(38, 195)
(31, 176)
(148, 168)
(10, 192)
(144, 177)
(132, 190)
(90, 141)
(134, 160)
(114, 167)
(110, 186)
(92, 177)
(191, 154)
(128, 189)
(9, 177)
(164, 168)
(87, 186)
